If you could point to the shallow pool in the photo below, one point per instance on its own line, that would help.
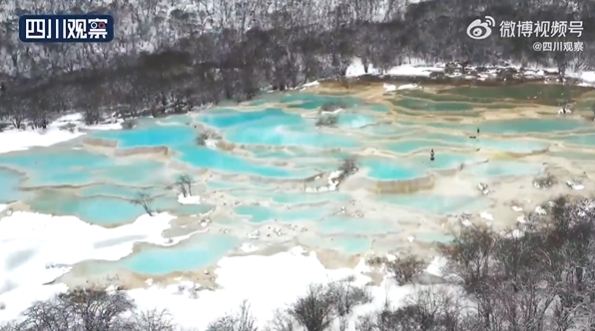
(355, 121)
(261, 214)
(202, 157)
(310, 101)
(516, 126)
(96, 210)
(409, 146)
(9, 190)
(584, 139)
(308, 198)
(390, 169)
(444, 160)
(437, 204)
(198, 252)
(548, 94)
(506, 168)
(426, 105)
(167, 135)
(356, 226)
(126, 192)
(295, 135)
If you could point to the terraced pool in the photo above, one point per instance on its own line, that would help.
(270, 153)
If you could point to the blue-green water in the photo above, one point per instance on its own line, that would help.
(348, 244)
(99, 188)
(518, 126)
(437, 204)
(308, 198)
(409, 146)
(260, 214)
(362, 226)
(171, 136)
(9, 189)
(313, 101)
(581, 139)
(100, 210)
(199, 252)
(506, 168)
(391, 169)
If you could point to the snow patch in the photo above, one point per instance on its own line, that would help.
(37, 248)
(20, 140)
(389, 87)
(311, 84)
(189, 200)
(267, 277)
(57, 132)
(487, 216)
(419, 69)
(408, 87)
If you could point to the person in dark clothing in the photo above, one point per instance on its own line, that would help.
(432, 155)
(477, 131)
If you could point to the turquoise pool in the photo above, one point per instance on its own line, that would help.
(506, 168)
(260, 214)
(437, 204)
(199, 252)
(390, 169)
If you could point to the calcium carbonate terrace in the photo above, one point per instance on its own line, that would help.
(260, 174)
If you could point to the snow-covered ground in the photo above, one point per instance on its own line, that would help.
(419, 69)
(62, 129)
(38, 248)
(263, 281)
(587, 77)
(189, 200)
(357, 69)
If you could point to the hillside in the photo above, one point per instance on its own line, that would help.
(199, 52)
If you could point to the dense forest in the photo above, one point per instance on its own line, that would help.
(174, 56)
(539, 279)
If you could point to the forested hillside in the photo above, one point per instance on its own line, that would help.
(203, 51)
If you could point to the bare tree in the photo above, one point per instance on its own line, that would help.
(129, 124)
(241, 321)
(92, 115)
(545, 182)
(332, 106)
(470, 257)
(15, 107)
(315, 310)
(404, 269)
(382, 320)
(79, 309)
(202, 138)
(327, 120)
(348, 166)
(11, 327)
(144, 200)
(282, 322)
(153, 320)
(344, 297)
(184, 183)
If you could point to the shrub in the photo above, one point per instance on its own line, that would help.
(327, 120)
